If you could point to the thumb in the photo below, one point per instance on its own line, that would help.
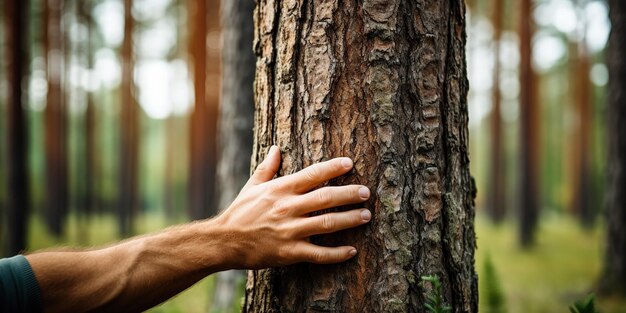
(267, 169)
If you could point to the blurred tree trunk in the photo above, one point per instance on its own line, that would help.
(614, 274)
(129, 130)
(584, 189)
(18, 202)
(85, 8)
(55, 120)
(235, 124)
(529, 119)
(384, 83)
(204, 23)
(497, 188)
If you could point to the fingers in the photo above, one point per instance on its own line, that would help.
(267, 169)
(318, 173)
(332, 222)
(328, 197)
(308, 252)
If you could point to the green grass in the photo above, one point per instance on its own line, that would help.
(561, 268)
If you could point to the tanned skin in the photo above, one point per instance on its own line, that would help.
(267, 225)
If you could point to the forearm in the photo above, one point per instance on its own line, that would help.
(134, 275)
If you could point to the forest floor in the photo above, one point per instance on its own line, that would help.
(561, 268)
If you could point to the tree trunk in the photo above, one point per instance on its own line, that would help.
(55, 120)
(529, 120)
(129, 131)
(204, 50)
(383, 82)
(497, 182)
(235, 124)
(18, 204)
(584, 191)
(85, 8)
(614, 274)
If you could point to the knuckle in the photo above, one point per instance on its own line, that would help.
(318, 256)
(327, 222)
(281, 208)
(323, 198)
(312, 173)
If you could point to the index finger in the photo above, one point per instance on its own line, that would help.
(318, 173)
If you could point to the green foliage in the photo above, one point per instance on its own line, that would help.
(586, 305)
(434, 300)
(492, 292)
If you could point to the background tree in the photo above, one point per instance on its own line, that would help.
(383, 82)
(614, 273)
(204, 51)
(18, 202)
(584, 108)
(235, 124)
(529, 121)
(497, 180)
(55, 120)
(129, 131)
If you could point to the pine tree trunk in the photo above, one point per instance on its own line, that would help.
(584, 191)
(383, 82)
(204, 50)
(235, 124)
(18, 201)
(497, 182)
(129, 131)
(529, 120)
(614, 274)
(55, 120)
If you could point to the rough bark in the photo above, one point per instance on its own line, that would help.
(129, 136)
(529, 133)
(18, 204)
(383, 82)
(204, 21)
(55, 120)
(235, 124)
(497, 182)
(614, 273)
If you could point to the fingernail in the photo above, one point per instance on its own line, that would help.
(366, 215)
(364, 192)
(346, 162)
(272, 150)
(352, 252)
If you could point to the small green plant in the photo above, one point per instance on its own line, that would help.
(434, 300)
(586, 305)
(493, 295)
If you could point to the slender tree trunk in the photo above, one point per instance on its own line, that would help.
(204, 16)
(614, 274)
(129, 131)
(18, 204)
(497, 182)
(235, 124)
(90, 118)
(529, 119)
(55, 120)
(383, 82)
(584, 190)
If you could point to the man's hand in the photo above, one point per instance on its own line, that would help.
(270, 221)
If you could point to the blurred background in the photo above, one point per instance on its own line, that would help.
(117, 134)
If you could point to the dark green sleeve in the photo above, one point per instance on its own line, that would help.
(19, 289)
